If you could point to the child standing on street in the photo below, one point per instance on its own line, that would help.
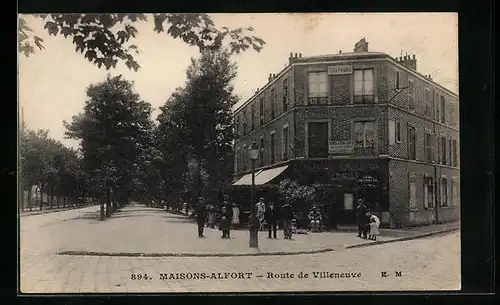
(374, 224)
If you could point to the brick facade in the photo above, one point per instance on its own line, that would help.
(393, 96)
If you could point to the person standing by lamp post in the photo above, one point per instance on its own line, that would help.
(254, 226)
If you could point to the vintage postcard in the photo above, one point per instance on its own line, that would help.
(238, 152)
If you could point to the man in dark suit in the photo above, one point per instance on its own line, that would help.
(201, 214)
(361, 218)
(287, 218)
(272, 216)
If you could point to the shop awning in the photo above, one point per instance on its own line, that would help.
(269, 174)
(247, 179)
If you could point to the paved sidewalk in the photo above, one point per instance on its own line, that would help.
(37, 211)
(143, 231)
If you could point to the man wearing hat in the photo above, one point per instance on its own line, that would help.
(201, 215)
(361, 210)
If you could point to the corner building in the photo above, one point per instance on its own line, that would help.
(364, 125)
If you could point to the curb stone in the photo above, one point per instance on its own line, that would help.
(187, 254)
(401, 239)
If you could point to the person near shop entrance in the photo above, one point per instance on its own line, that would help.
(271, 216)
(361, 218)
(315, 219)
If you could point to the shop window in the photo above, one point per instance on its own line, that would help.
(348, 202)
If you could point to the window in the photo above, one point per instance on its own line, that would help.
(428, 146)
(444, 192)
(236, 163)
(412, 153)
(252, 116)
(435, 105)
(428, 192)
(273, 148)
(398, 81)
(363, 87)
(450, 155)
(244, 127)
(443, 110)
(348, 202)
(411, 95)
(413, 194)
(285, 144)
(427, 101)
(261, 111)
(442, 150)
(261, 151)
(455, 196)
(394, 132)
(365, 138)
(317, 139)
(273, 101)
(318, 88)
(454, 154)
(244, 158)
(285, 95)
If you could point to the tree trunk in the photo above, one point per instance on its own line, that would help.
(58, 195)
(101, 203)
(108, 204)
(29, 199)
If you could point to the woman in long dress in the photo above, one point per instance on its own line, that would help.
(374, 224)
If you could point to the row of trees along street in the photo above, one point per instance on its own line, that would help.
(123, 154)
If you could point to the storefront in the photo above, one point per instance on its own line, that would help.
(343, 182)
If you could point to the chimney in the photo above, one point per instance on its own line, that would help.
(269, 78)
(361, 46)
(410, 62)
(340, 51)
(292, 58)
(300, 54)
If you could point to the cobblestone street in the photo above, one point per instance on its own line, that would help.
(427, 263)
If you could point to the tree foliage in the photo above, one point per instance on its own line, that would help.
(115, 132)
(294, 193)
(50, 165)
(195, 131)
(105, 39)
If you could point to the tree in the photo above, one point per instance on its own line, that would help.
(195, 130)
(294, 193)
(105, 39)
(115, 135)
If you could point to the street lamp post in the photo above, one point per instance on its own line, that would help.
(253, 227)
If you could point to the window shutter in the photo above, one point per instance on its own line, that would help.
(392, 132)
(426, 192)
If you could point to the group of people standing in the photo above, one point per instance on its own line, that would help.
(227, 215)
(368, 223)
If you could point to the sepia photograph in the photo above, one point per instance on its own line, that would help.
(238, 152)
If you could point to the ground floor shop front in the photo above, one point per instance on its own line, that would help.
(401, 193)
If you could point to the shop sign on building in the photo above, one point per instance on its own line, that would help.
(340, 147)
(339, 70)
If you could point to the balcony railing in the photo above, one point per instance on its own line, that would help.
(364, 99)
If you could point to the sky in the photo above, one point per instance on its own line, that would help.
(52, 82)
